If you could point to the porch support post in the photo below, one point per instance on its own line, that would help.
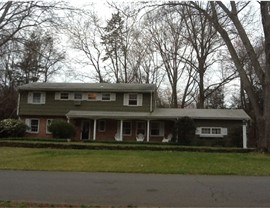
(121, 130)
(148, 131)
(244, 134)
(94, 129)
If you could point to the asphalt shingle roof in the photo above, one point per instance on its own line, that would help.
(165, 113)
(102, 87)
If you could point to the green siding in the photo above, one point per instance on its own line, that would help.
(231, 140)
(60, 107)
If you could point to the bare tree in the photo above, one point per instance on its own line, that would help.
(218, 11)
(85, 31)
(166, 32)
(205, 43)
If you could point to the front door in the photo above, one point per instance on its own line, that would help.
(85, 135)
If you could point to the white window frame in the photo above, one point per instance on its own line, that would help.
(127, 99)
(106, 96)
(93, 93)
(99, 125)
(77, 93)
(29, 124)
(160, 128)
(137, 127)
(42, 100)
(212, 131)
(130, 124)
(60, 95)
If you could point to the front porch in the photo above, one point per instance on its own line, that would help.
(122, 130)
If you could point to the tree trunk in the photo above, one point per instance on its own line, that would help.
(201, 90)
(174, 96)
(265, 142)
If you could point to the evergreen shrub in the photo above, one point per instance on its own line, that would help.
(12, 128)
(61, 129)
(184, 131)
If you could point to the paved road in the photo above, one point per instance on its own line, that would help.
(135, 189)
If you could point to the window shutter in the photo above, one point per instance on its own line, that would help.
(224, 131)
(27, 121)
(126, 97)
(30, 97)
(71, 96)
(99, 96)
(43, 98)
(113, 97)
(140, 99)
(198, 131)
(84, 96)
(57, 96)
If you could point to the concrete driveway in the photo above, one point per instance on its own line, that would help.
(119, 189)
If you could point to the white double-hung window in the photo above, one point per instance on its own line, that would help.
(33, 125)
(36, 98)
(211, 131)
(133, 99)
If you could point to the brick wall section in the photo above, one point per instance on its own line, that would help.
(111, 130)
(42, 126)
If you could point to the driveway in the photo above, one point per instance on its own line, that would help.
(120, 189)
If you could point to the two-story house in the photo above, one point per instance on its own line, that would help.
(121, 112)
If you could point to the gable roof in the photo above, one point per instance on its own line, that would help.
(165, 113)
(97, 87)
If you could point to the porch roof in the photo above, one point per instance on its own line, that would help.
(165, 113)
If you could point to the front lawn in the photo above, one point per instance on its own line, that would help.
(165, 162)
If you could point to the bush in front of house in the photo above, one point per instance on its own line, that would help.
(61, 129)
(12, 128)
(184, 131)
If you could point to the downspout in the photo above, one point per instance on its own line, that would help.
(151, 101)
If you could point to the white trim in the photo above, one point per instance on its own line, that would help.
(139, 99)
(144, 124)
(30, 98)
(94, 129)
(148, 131)
(244, 129)
(121, 131)
(223, 131)
(130, 123)
(47, 131)
(160, 127)
(18, 104)
(28, 123)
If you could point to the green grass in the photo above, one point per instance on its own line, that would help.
(165, 162)
(14, 204)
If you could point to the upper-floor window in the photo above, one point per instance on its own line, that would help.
(64, 95)
(106, 96)
(92, 96)
(36, 97)
(89, 96)
(133, 99)
(78, 96)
